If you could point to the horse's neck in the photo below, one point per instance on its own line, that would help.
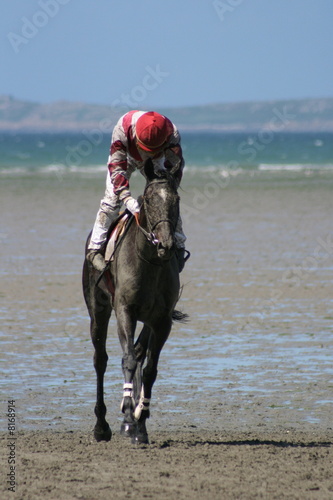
(143, 247)
(143, 218)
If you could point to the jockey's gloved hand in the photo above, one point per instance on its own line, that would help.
(132, 205)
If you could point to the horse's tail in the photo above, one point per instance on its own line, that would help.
(179, 316)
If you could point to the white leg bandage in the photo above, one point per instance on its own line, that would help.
(143, 405)
(128, 393)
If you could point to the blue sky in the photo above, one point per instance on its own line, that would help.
(156, 53)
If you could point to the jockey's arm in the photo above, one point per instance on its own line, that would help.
(118, 163)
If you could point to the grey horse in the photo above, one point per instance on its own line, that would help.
(144, 287)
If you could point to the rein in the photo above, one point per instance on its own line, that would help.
(150, 236)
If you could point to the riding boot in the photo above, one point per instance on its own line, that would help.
(179, 234)
(97, 259)
(105, 216)
(180, 245)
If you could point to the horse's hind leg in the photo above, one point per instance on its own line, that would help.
(99, 307)
(102, 431)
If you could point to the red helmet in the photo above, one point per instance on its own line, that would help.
(152, 131)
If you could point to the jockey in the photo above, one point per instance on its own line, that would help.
(137, 136)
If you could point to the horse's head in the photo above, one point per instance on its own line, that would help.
(161, 205)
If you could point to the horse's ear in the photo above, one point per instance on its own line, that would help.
(149, 170)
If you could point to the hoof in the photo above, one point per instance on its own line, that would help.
(102, 435)
(128, 430)
(141, 436)
(140, 439)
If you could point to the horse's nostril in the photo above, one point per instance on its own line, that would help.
(160, 249)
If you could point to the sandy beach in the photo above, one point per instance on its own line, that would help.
(242, 406)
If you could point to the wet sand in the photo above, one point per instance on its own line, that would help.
(242, 407)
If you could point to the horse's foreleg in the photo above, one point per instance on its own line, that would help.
(142, 410)
(141, 346)
(126, 329)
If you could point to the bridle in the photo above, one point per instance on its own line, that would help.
(150, 235)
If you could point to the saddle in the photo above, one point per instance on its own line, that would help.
(115, 232)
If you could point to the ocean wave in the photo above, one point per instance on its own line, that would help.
(297, 167)
(230, 169)
(52, 169)
(93, 169)
(223, 170)
(14, 171)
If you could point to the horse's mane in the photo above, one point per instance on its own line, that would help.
(164, 177)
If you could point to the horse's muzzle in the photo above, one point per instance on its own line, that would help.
(164, 252)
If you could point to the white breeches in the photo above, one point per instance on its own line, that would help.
(107, 213)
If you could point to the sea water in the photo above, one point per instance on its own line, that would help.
(26, 153)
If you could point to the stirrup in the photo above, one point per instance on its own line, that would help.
(181, 258)
(187, 256)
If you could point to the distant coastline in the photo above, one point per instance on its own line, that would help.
(296, 115)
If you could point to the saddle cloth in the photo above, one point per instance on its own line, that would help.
(116, 233)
